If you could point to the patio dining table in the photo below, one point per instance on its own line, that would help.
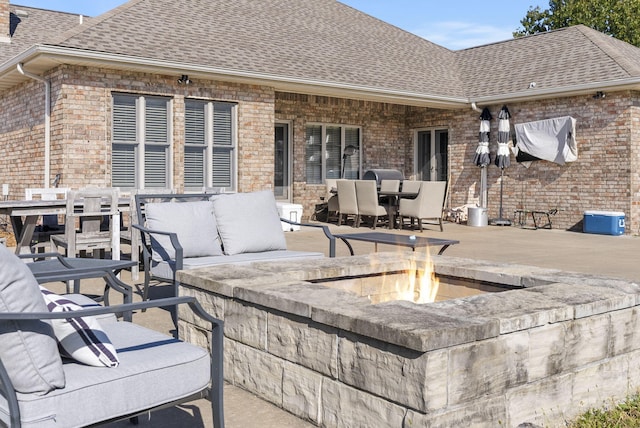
(24, 217)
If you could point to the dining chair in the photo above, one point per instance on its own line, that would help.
(50, 224)
(86, 228)
(411, 186)
(389, 185)
(347, 201)
(428, 205)
(333, 206)
(368, 204)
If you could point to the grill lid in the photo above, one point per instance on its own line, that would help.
(383, 174)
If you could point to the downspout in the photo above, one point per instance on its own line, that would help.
(475, 107)
(47, 121)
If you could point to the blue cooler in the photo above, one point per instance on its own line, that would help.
(603, 222)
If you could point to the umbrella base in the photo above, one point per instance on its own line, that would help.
(500, 222)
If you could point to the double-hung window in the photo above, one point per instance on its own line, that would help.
(332, 151)
(141, 142)
(210, 145)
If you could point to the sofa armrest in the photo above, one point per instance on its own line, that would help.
(325, 229)
(216, 351)
(146, 245)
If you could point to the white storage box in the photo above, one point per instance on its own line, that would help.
(292, 212)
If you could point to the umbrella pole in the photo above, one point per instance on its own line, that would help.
(501, 221)
(483, 187)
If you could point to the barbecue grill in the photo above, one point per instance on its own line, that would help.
(383, 174)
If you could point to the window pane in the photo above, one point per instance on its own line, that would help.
(123, 166)
(313, 150)
(222, 167)
(333, 149)
(352, 145)
(194, 166)
(222, 128)
(194, 123)
(156, 128)
(155, 166)
(124, 118)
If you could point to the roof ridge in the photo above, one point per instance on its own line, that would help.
(605, 44)
(93, 22)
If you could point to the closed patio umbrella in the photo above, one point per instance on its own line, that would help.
(502, 156)
(481, 157)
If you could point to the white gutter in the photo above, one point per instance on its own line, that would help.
(47, 121)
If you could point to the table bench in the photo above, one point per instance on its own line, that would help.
(521, 216)
(392, 239)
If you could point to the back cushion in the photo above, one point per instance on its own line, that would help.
(249, 222)
(28, 349)
(192, 222)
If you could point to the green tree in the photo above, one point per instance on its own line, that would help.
(618, 18)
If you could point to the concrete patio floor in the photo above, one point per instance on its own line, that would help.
(615, 256)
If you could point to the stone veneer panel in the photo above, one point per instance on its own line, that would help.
(536, 355)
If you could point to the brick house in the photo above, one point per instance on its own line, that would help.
(247, 95)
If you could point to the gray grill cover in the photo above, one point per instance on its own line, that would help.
(383, 174)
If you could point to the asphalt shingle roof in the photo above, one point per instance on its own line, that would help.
(329, 42)
(317, 40)
(30, 26)
(570, 56)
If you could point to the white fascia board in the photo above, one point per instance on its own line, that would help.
(564, 91)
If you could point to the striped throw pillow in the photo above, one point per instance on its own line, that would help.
(80, 338)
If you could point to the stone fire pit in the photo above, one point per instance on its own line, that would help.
(559, 343)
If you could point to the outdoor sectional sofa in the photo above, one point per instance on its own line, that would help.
(187, 231)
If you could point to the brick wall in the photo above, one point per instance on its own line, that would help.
(605, 177)
(81, 127)
(384, 135)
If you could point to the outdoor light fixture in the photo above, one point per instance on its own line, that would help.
(184, 80)
(599, 95)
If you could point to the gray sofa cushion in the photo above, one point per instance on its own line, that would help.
(28, 349)
(154, 368)
(194, 224)
(248, 222)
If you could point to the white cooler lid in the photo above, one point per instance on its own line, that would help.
(605, 213)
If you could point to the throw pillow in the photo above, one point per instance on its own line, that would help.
(28, 349)
(193, 223)
(80, 338)
(248, 222)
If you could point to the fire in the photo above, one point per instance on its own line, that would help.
(418, 285)
(425, 283)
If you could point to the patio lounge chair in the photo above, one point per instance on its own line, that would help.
(150, 371)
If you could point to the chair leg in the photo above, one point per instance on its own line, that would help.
(441, 228)
(375, 220)
(339, 219)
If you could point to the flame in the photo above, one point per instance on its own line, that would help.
(420, 285)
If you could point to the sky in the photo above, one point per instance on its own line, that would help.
(455, 24)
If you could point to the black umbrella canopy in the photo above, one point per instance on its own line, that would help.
(504, 136)
(481, 157)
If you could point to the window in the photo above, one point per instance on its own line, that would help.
(210, 145)
(332, 151)
(141, 142)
